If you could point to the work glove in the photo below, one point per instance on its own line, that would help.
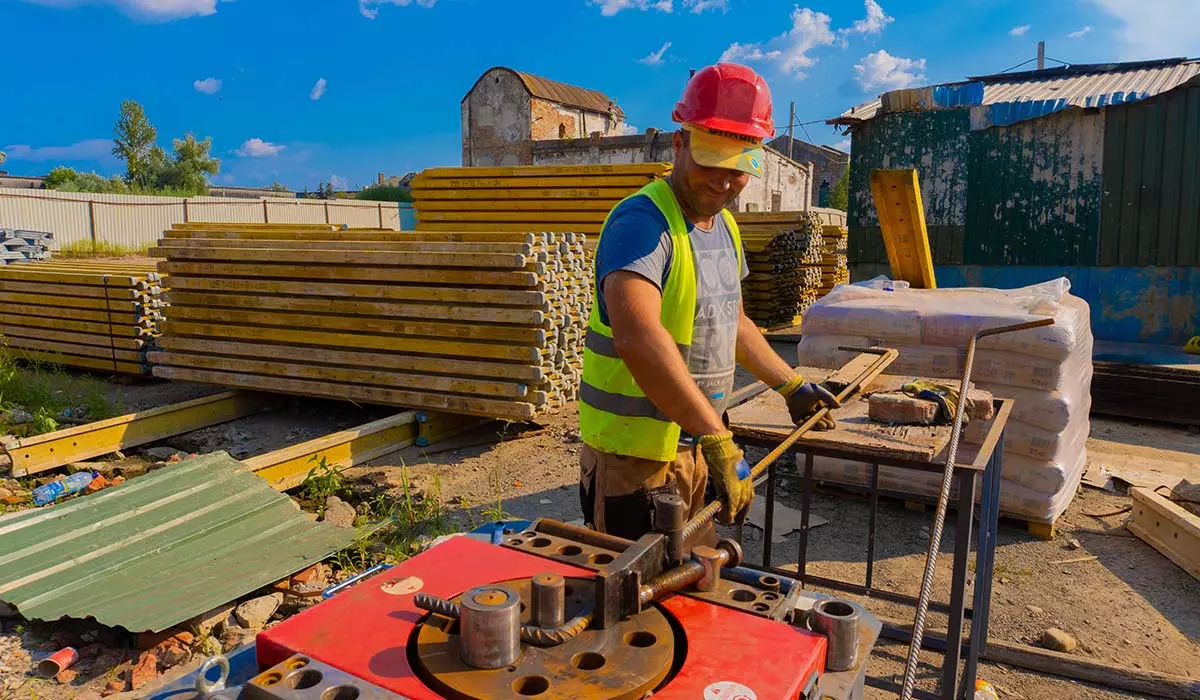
(730, 475)
(805, 398)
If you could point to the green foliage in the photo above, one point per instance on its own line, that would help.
(839, 198)
(276, 187)
(59, 177)
(133, 142)
(44, 390)
(385, 193)
(323, 480)
(99, 249)
(191, 166)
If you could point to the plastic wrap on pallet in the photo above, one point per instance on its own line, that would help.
(1047, 371)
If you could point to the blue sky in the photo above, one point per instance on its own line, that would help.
(348, 88)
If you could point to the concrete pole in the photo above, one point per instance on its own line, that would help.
(1041, 55)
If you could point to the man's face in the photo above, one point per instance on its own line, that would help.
(706, 191)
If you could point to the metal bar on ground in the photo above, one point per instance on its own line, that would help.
(41, 452)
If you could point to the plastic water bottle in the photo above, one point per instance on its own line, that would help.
(63, 487)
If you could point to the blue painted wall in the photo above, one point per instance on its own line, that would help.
(1129, 304)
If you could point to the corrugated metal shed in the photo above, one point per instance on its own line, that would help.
(1008, 98)
(569, 95)
(159, 549)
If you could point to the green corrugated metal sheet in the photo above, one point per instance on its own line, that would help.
(1151, 210)
(936, 144)
(158, 549)
(1035, 191)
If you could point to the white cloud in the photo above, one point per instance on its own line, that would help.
(257, 148)
(887, 72)
(150, 10)
(809, 31)
(630, 130)
(1154, 28)
(368, 9)
(318, 89)
(655, 57)
(88, 149)
(699, 6)
(1079, 34)
(608, 8)
(209, 86)
(1019, 31)
(339, 183)
(843, 145)
(874, 22)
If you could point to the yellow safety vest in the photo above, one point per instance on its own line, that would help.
(614, 414)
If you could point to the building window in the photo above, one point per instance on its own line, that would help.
(776, 201)
(562, 131)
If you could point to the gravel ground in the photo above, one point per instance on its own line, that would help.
(1130, 606)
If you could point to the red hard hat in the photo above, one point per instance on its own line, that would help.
(727, 97)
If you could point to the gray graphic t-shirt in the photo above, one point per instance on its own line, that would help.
(637, 239)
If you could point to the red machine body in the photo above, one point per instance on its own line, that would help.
(365, 630)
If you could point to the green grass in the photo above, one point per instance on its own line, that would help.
(44, 390)
(98, 249)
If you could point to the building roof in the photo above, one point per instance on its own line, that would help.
(1008, 98)
(562, 93)
(780, 143)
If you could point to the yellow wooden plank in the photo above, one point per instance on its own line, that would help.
(95, 339)
(514, 335)
(492, 278)
(532, 205)
(322, 305)
(34, 454)
(447, 295)
(491, 408)
(452, 348)
(7, 297)
(24, 273)
(345, 375)
(63, 324)
(256, 226)
(343, 235)
(347, 257)
(530, 373)
(476, 227)
(1167, 527)
(576, 182)
(902, 220)
(619, 169)
(409, 246)
(527, 217)
(80, 362)
(518, 194)
(50, 346)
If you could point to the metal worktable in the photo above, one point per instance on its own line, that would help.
(986, 466)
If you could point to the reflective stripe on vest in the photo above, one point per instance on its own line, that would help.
(614, 414)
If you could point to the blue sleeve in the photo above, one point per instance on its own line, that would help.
(634, 239)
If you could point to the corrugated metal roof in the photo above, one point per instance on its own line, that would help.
(570, 95)
(158, 549)
(1008, 98)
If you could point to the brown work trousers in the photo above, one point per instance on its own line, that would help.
(617, 493)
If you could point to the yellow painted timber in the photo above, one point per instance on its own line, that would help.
(98, 340)
(68, 325)
(474, 227)
(364, 324)
(35, 454)
(506, 195)
(73, 349)
(72, 290)
(453, 403)
(532, 205)
(56, 312)
(287, 468)
(347, 236)
(413, 246)
(236, 225)
(95, 363)
(1167, 527)
(529, 374)
(657, 169)
(580, 182)
(902, 220)
(345, 307)
(348, 257)
(365, 274)
(114, 305)
(447, 295)
(521, 216)
(21, 273)
(345, 375)
(451, 348)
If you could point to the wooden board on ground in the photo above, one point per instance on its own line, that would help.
(1168, 528)
(766, 417)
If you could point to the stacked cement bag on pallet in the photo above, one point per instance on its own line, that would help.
(1047, 371)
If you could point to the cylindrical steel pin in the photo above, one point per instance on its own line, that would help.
(549, 600)
(490, 624)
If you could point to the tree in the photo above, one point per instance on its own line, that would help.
(839, 198)
(385, 193)
(276, 187)
(134, 142)
(60, 176)
(191, 167)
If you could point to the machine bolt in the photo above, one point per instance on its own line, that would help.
(490, 627)
(670, 515)
(549, 600)
(710, 559)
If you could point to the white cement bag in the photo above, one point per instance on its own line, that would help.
(1027, 440)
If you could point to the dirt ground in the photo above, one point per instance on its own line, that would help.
(1130, 606)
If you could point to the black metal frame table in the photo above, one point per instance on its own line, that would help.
(986, 465)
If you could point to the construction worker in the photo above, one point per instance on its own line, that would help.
(667, 325)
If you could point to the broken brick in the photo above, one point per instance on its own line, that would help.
(98, 483)
(66, 676)
(145, 671)
(901, 409)
(113, 688)
(118, 480)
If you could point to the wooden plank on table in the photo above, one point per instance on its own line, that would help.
(1167, 527)
(347, 257)
(531, 374)
(449, 348)
(363, 274)
(444, 295)
(766, 417)
(345, 375)
(410, 246)
(513, 335)
(349, 307)
(490, 408)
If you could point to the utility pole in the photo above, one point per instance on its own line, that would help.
(1041, 55)
(791, 128)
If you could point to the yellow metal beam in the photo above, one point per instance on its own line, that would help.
(902, 221)
(39, 453)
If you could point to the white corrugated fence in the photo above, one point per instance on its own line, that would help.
(135, 221)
